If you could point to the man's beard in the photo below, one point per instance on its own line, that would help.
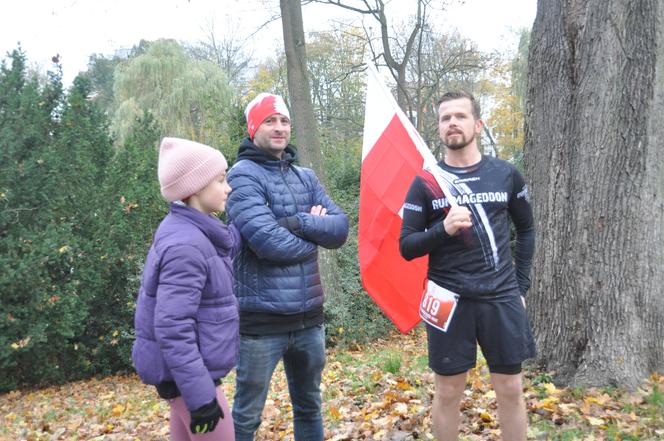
(459, 145)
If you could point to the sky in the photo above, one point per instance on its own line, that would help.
(76, 29)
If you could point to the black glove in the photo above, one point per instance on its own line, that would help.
(205, 418)
(291, 223)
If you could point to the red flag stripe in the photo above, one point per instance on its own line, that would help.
(391, 161)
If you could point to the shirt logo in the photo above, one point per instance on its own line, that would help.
(473, 198)
(412, 207)
(462, 180)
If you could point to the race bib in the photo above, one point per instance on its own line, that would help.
(438, 306)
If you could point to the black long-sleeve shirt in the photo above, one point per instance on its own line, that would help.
(476, 261)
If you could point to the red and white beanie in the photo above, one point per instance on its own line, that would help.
(264, 105)
(186, 167)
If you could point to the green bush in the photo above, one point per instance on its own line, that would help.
(351, 316)
(55, 149)
(132, 212)
(42, 308)
(76, 219)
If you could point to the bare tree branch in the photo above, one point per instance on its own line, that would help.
(339, 3)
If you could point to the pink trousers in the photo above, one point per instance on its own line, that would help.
(180, 420)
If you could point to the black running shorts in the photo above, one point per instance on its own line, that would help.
(501, 328)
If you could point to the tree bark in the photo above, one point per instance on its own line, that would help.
(306, 130)
(594, 155)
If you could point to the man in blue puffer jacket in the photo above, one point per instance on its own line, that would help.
(283, 215)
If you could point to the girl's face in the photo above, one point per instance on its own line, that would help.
(213, 197)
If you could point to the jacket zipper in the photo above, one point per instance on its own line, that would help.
(283, 168)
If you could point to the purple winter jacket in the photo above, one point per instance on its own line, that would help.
(187, 316)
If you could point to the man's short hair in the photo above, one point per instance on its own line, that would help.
(455, 95)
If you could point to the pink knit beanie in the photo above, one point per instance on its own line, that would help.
(186, 167)
(264, 105)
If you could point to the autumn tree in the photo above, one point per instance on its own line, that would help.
(189, 98)
(423, 61)
(100, 74)
(228, 50)
(508, 91)
(335, 69)
(396, 58)
(442, 62)
(335, 64)
(270, 76)
(595, 159)
(520, 68)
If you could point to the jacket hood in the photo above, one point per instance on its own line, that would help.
(249, 150)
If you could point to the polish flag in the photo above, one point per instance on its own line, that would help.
(393, 153)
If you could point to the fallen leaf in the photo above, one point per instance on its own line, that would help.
(595, 421)
(486, 417)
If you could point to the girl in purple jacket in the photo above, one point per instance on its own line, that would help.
(187, 316)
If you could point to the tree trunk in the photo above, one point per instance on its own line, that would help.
(594, 155)
(306, 130)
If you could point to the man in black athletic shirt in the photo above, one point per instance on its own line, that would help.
(468, 243)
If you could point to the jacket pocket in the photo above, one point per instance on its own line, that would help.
(149, 363)
(218, 338)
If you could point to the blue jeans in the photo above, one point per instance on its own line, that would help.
(303, 353)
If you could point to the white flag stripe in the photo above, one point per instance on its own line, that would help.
(380, 100)
(379, 111)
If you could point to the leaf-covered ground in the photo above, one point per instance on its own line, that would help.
(380, 391)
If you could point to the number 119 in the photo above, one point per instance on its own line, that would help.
(431, 304)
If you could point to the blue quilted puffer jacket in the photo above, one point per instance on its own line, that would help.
(276, 270)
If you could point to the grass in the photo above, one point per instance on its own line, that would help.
(656, 398)
(422, 363)
(391, 362)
